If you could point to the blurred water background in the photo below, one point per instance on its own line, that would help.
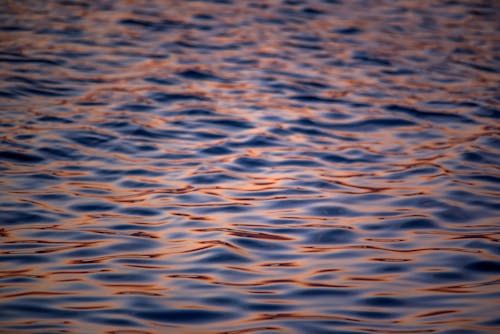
(249, 166)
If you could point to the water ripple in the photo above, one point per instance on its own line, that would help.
(249, 167)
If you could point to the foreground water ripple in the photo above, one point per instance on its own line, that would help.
(249, 167)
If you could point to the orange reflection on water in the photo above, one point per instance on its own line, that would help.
(240, 167)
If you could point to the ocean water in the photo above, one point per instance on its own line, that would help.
(238, 167)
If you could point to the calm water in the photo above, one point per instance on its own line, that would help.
(249, 166)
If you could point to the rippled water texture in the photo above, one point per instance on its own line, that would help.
(249, 166)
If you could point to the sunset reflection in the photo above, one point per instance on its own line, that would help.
(249, 167)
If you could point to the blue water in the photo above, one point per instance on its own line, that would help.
(249, 166)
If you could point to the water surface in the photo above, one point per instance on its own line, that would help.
(249, 166)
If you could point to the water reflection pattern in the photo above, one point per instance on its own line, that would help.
(249, 166)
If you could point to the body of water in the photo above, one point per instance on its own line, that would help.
(249, 166)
